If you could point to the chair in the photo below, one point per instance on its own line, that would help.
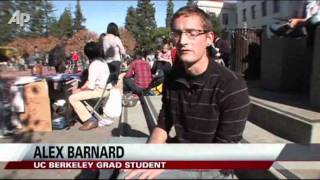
(94, 110)
(98, 105)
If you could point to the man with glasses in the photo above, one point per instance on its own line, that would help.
(203, 101)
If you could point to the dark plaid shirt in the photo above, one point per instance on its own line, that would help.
(208, 108)
(140, 70)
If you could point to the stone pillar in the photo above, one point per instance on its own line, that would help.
(284, 64)
(315, 76)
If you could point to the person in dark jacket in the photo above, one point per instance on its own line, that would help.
(57, 57)
(224, 49)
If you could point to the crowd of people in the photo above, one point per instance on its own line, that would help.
(146, 70)
(203, 100)
(187, 68)
(105, 65)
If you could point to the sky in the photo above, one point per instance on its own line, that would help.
(99, 13)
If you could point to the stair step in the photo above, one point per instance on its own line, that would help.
(255, 134)
(292, 123)
(133, 122)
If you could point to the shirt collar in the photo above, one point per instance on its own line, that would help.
(199, 80)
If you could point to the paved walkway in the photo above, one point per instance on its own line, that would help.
(134, 124)
(73, 135)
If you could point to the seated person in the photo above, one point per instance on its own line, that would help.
(165, 54)
(138, 77)
(93, 88)
(294, 28)
(164, 60)
(312, 9)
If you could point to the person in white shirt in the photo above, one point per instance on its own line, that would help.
(93, 88)
(113, 50)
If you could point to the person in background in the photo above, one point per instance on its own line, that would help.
(98, 75)
(151, 58)
(32, 61)
(203, 101)
(57, 57)
(113, 50)
(174, 52)
(100, 41)
(312, 8)
(295, 26)
(138, 77)
(224, 49)
(165, 53)
(36, 52)
(75, 61)
(164, 60)
(38, 68)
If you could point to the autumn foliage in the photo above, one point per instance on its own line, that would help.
(79, 40)
(128, 40)
(45, 44)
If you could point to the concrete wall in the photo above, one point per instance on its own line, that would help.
(315, 77)
(285, 64)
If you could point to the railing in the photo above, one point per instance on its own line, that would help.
(246, 45)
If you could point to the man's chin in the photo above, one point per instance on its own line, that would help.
(186, 59)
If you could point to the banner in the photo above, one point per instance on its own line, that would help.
(154, 156)
(139, 165)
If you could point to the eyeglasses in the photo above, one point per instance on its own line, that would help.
(190, 33)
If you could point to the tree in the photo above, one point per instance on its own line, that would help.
(7, 31)
(79, 40)
(37, 20)
(159, 35)
(128, 40)
(23, 6)
(65, 23)
(26, 44)
(217, 27)
(170, 7)
(41, 17)
(146, 25)
(190, 2)
(131, 20)
(54, 29)
(79, 18)
(48, 15)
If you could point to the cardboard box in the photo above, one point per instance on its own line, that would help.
(37, 115)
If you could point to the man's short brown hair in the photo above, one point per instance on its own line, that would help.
(193, 10)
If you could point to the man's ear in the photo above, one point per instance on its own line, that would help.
(210, 37)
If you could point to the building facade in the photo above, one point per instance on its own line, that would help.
(226, 11)
(261, 14)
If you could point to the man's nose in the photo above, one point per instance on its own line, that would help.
(183, 39)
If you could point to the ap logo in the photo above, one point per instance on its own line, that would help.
(19, 18)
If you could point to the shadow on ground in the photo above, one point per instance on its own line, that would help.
(125, 129)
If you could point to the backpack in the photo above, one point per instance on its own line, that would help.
(158, 78)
